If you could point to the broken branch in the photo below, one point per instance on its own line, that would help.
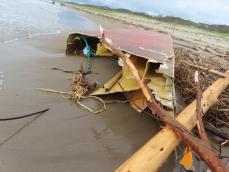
(212, 129)
(206, 69)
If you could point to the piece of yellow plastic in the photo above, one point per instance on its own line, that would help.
(187, 159)
(103, 51)
(137, 100)
(162, 86)
(129, 83)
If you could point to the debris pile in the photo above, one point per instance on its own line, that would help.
(181, 125)
(147, 80)
(187, 62)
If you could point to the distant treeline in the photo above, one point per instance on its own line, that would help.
(171, 19)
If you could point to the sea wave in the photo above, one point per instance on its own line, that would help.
(24, 19)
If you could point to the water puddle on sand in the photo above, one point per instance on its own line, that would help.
(1, 79)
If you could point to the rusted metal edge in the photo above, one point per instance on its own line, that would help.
(142, 48)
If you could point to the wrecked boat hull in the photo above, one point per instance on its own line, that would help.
(152, 54)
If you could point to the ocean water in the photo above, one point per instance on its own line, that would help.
(22, 19)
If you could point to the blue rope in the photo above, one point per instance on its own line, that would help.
(88, 53)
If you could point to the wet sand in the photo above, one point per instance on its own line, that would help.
(67, 137)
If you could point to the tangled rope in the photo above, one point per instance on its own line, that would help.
(79, 92)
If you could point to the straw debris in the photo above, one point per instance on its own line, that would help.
(185, 67)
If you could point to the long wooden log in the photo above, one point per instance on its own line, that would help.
(155, 152)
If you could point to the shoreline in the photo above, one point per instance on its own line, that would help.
(179, 33)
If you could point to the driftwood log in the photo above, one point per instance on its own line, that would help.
(144, 159)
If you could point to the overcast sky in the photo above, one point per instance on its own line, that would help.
(207, 11)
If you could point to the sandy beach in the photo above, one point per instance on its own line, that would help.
(67, 137)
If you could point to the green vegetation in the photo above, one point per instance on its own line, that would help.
(169, 19)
